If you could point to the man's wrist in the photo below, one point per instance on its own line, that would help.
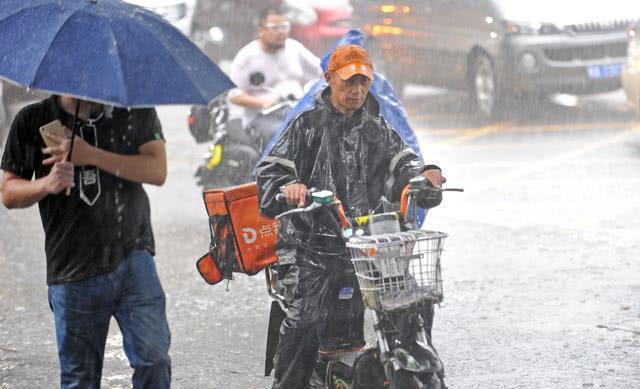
(42, 186)
(296, 181)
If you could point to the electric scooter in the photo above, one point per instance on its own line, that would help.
(397, 266)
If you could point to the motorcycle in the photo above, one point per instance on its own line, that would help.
(235, 150)
(397, 266)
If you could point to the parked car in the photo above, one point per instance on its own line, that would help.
(222, 27)
(631, 70)
(497, 49)
(179, 13)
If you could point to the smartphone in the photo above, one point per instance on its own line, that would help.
(54, 128)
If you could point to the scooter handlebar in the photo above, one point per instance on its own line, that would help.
(281, 198)
(420, 186)
(325, 198)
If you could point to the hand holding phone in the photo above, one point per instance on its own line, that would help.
(57, 129)
(53, 128)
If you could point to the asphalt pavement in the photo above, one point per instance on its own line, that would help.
(541, 271)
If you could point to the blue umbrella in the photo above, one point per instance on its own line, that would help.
(106, 51)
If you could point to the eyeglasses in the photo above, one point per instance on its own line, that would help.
(285, 26)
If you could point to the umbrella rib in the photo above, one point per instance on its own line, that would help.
(122, 79)
(22, 10)
(175, 58)
(51, 43)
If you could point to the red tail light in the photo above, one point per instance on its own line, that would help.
(191, 120)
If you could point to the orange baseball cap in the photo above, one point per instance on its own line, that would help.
(349, 60)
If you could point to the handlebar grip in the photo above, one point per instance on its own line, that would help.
(281, 198)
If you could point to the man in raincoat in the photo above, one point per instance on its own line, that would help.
(341, 144)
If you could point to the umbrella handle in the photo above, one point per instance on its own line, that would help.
(73, 135)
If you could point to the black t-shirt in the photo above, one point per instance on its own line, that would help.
(91, 231)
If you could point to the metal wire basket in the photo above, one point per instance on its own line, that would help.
(399, 269)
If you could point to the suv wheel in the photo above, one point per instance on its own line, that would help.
(484, 91)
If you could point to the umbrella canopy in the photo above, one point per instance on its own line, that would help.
(106, 51)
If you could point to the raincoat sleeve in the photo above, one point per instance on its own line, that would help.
(278, 169)
(404, 163)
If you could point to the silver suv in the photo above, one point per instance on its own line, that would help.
(500, 49)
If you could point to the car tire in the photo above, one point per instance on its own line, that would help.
(484, 92)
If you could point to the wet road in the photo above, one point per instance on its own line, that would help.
(541, 268)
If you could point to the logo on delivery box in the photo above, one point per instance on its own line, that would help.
(261, 235)
(249, 235)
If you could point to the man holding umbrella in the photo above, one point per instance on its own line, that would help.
(105, 62)
(98, 240)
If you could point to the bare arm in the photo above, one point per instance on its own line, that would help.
(18, 192)
(246, 100)
(149, 166)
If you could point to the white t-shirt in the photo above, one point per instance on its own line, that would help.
(293, 62)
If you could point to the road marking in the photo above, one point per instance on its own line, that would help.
(558, 160)
(443, 130)
(628, 235)
(533, 128)
(435, 116)
(475, 134)
(606, 126)
(509, 163)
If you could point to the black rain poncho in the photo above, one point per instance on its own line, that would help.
(363, 161)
